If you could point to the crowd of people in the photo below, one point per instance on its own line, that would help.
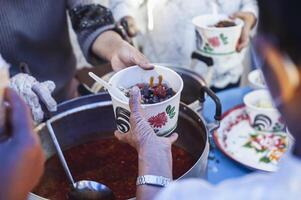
(30, 33)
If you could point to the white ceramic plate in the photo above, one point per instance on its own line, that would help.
(253, 149)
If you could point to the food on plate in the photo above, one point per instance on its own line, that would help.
(272, 146)
(107, 161)
(224, 24)
(152, 93)
(264, 103)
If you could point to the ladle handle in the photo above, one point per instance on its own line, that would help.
(60, 153)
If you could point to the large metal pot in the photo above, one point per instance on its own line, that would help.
(79, 120)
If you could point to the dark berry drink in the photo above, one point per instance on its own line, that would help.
(154, 93)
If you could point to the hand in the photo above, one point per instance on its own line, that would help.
(249, 20)
(110, 46)
(154, 152)
(21, 156)
(141, 136)
(32, 92)
(130, 26)
(126, 55)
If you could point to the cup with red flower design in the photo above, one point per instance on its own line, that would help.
(162, 116)
(217, 41)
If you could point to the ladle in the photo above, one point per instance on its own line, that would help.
(82, 189)
(88, 190)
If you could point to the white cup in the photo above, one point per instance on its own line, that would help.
(162, 116)
(262, 119)
(217, 41)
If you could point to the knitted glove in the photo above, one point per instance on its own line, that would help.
(33, 92)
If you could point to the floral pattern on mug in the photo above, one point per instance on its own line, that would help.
(224, 39)
(214, 41)
(171, 111)
(158, 121)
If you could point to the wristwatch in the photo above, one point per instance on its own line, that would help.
(158, 181)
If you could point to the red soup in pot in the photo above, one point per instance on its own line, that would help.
(107, 161)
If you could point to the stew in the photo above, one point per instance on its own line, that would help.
(107, 161)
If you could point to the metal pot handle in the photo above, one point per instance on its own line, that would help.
(198, 107)
(218, 108)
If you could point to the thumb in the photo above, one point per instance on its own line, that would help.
(50, 85)
(135, 100)
(119, 135)
(244, 40)
(122, 137)
(44, 94)
(141, 60)
(173, 137)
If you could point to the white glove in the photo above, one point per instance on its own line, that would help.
(32, 91)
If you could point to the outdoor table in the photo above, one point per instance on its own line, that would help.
(220, 167)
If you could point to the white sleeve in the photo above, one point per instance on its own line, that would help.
(122, 8)
(251, 186)
(192, 189)
(250, 6)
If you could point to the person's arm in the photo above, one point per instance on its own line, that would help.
(154, 153)
(123, 8)
(249, 14)
(21, 156)
(94, 25)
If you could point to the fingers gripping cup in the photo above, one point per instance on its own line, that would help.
(161, 91)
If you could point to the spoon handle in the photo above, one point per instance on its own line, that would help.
(108, 86)
(99, 80)
(60, 153)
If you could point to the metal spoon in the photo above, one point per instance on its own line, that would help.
(117, 92)
(82, 189)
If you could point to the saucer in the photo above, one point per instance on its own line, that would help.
(254, 149)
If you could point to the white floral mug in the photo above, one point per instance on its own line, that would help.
(217, 41)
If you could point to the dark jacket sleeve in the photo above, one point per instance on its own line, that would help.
(89, 20)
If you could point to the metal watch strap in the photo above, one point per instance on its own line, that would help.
(158, 181)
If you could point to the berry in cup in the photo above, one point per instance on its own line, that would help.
(152, 93)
